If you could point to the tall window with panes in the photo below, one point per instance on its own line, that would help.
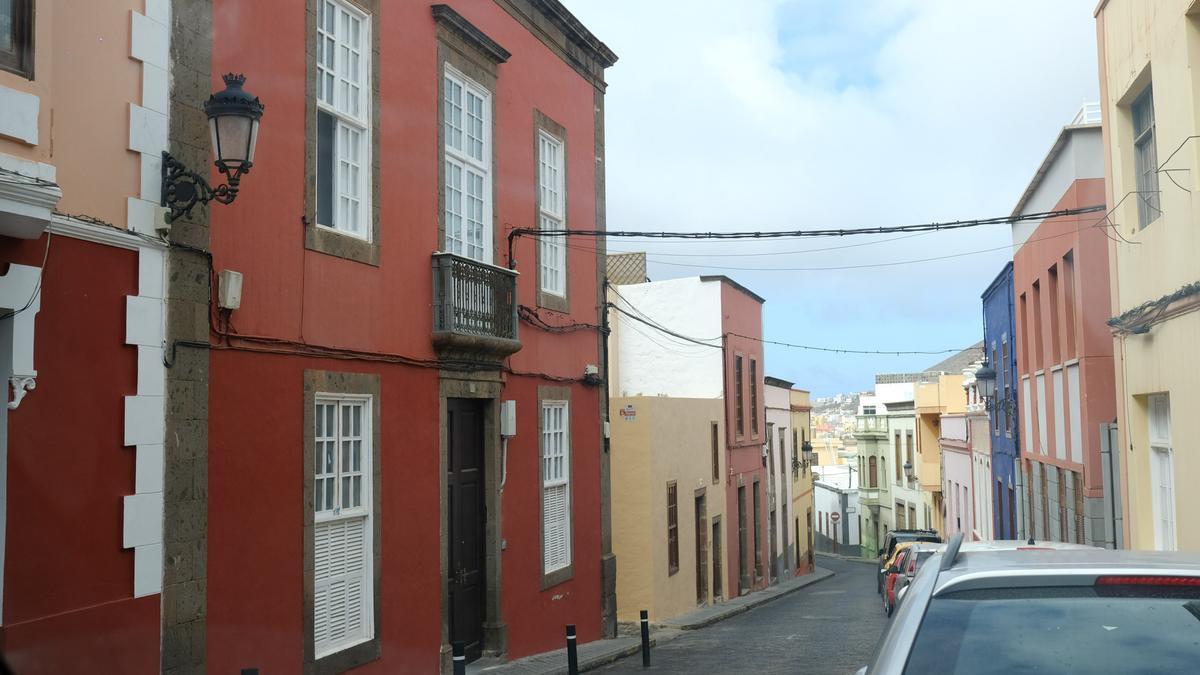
(1008, 406)
(1162, 472)
(467, 111)
(552, 208)
(342, 586)
(753, 396)
(556, 486)
(343, 119)
(1145, 156)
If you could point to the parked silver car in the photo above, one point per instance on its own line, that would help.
(1008, 607)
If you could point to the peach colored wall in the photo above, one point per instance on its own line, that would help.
(1092, 342)
(85, 80)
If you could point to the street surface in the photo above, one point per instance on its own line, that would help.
(829, 627)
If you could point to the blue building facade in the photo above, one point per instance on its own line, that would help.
(999, 329)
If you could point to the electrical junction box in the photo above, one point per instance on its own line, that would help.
(508, 419)
(229, 289)
(591, 370)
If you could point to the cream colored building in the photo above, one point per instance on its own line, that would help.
(802, 482)
(663, 454)
(1150, 103)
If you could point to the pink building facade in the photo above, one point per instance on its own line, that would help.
(1064, 350)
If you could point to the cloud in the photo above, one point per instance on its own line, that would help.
(781, 114)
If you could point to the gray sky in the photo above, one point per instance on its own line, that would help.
(797, 114)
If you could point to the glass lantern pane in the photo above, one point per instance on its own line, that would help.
(232, 139)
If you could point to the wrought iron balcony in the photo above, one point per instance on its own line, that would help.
(474, 309)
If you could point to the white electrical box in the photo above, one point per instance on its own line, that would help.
(229, 289)
(508, 419)
(607, 429)
(591, 369)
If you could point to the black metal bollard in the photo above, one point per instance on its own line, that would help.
(645, 639)
(460, 658)
(572, 655)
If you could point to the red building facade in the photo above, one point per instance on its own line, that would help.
(369, 504)
(746, 429)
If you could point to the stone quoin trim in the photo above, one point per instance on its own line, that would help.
(149, 123)
(145, 313)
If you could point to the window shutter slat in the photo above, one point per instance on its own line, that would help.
(339, 605)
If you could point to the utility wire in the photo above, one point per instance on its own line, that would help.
(778, 234)
(706, 342)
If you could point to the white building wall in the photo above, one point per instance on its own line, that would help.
(652, 363)
(957, 494)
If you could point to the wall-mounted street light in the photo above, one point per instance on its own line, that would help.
(807, 449)
(985, 380)
(908, 471)
(233, 116)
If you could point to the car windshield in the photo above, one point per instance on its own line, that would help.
(1059, 630)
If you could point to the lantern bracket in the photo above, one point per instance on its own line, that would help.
(183, 188)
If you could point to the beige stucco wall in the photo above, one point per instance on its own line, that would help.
(85, 80)
(1155, 42)
(668, 439)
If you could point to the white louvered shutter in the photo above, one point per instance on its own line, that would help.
(342, 584)
(339, 604)
(556, 486)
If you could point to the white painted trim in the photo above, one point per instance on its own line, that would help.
(27, 200)
(20, 118)
(109, 236)
(20, 290)
(149, 120)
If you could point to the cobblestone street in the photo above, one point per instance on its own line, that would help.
(830, 627)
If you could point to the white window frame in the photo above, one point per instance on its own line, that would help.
(462, 160)
(556, 479)
(552, 215)
(1162, 472)
(340, 515)
(345, 122)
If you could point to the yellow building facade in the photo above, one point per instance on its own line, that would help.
(668, 504)
(1150, 98)
(802, 481)
(932, 400)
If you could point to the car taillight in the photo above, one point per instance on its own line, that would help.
(1124, 580)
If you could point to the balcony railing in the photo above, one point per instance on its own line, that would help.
(871, 424)
(474, 307)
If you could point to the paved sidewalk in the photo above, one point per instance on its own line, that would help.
(599, 653)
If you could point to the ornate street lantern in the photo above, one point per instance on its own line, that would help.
(233, 118)
(985, 379)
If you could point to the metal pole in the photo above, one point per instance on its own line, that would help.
(460, 658)
(645, 639)
(572, 655)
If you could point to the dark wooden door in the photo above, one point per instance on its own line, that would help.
(701, 550)
(718, 561)
(743, 553)
(464, 499)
